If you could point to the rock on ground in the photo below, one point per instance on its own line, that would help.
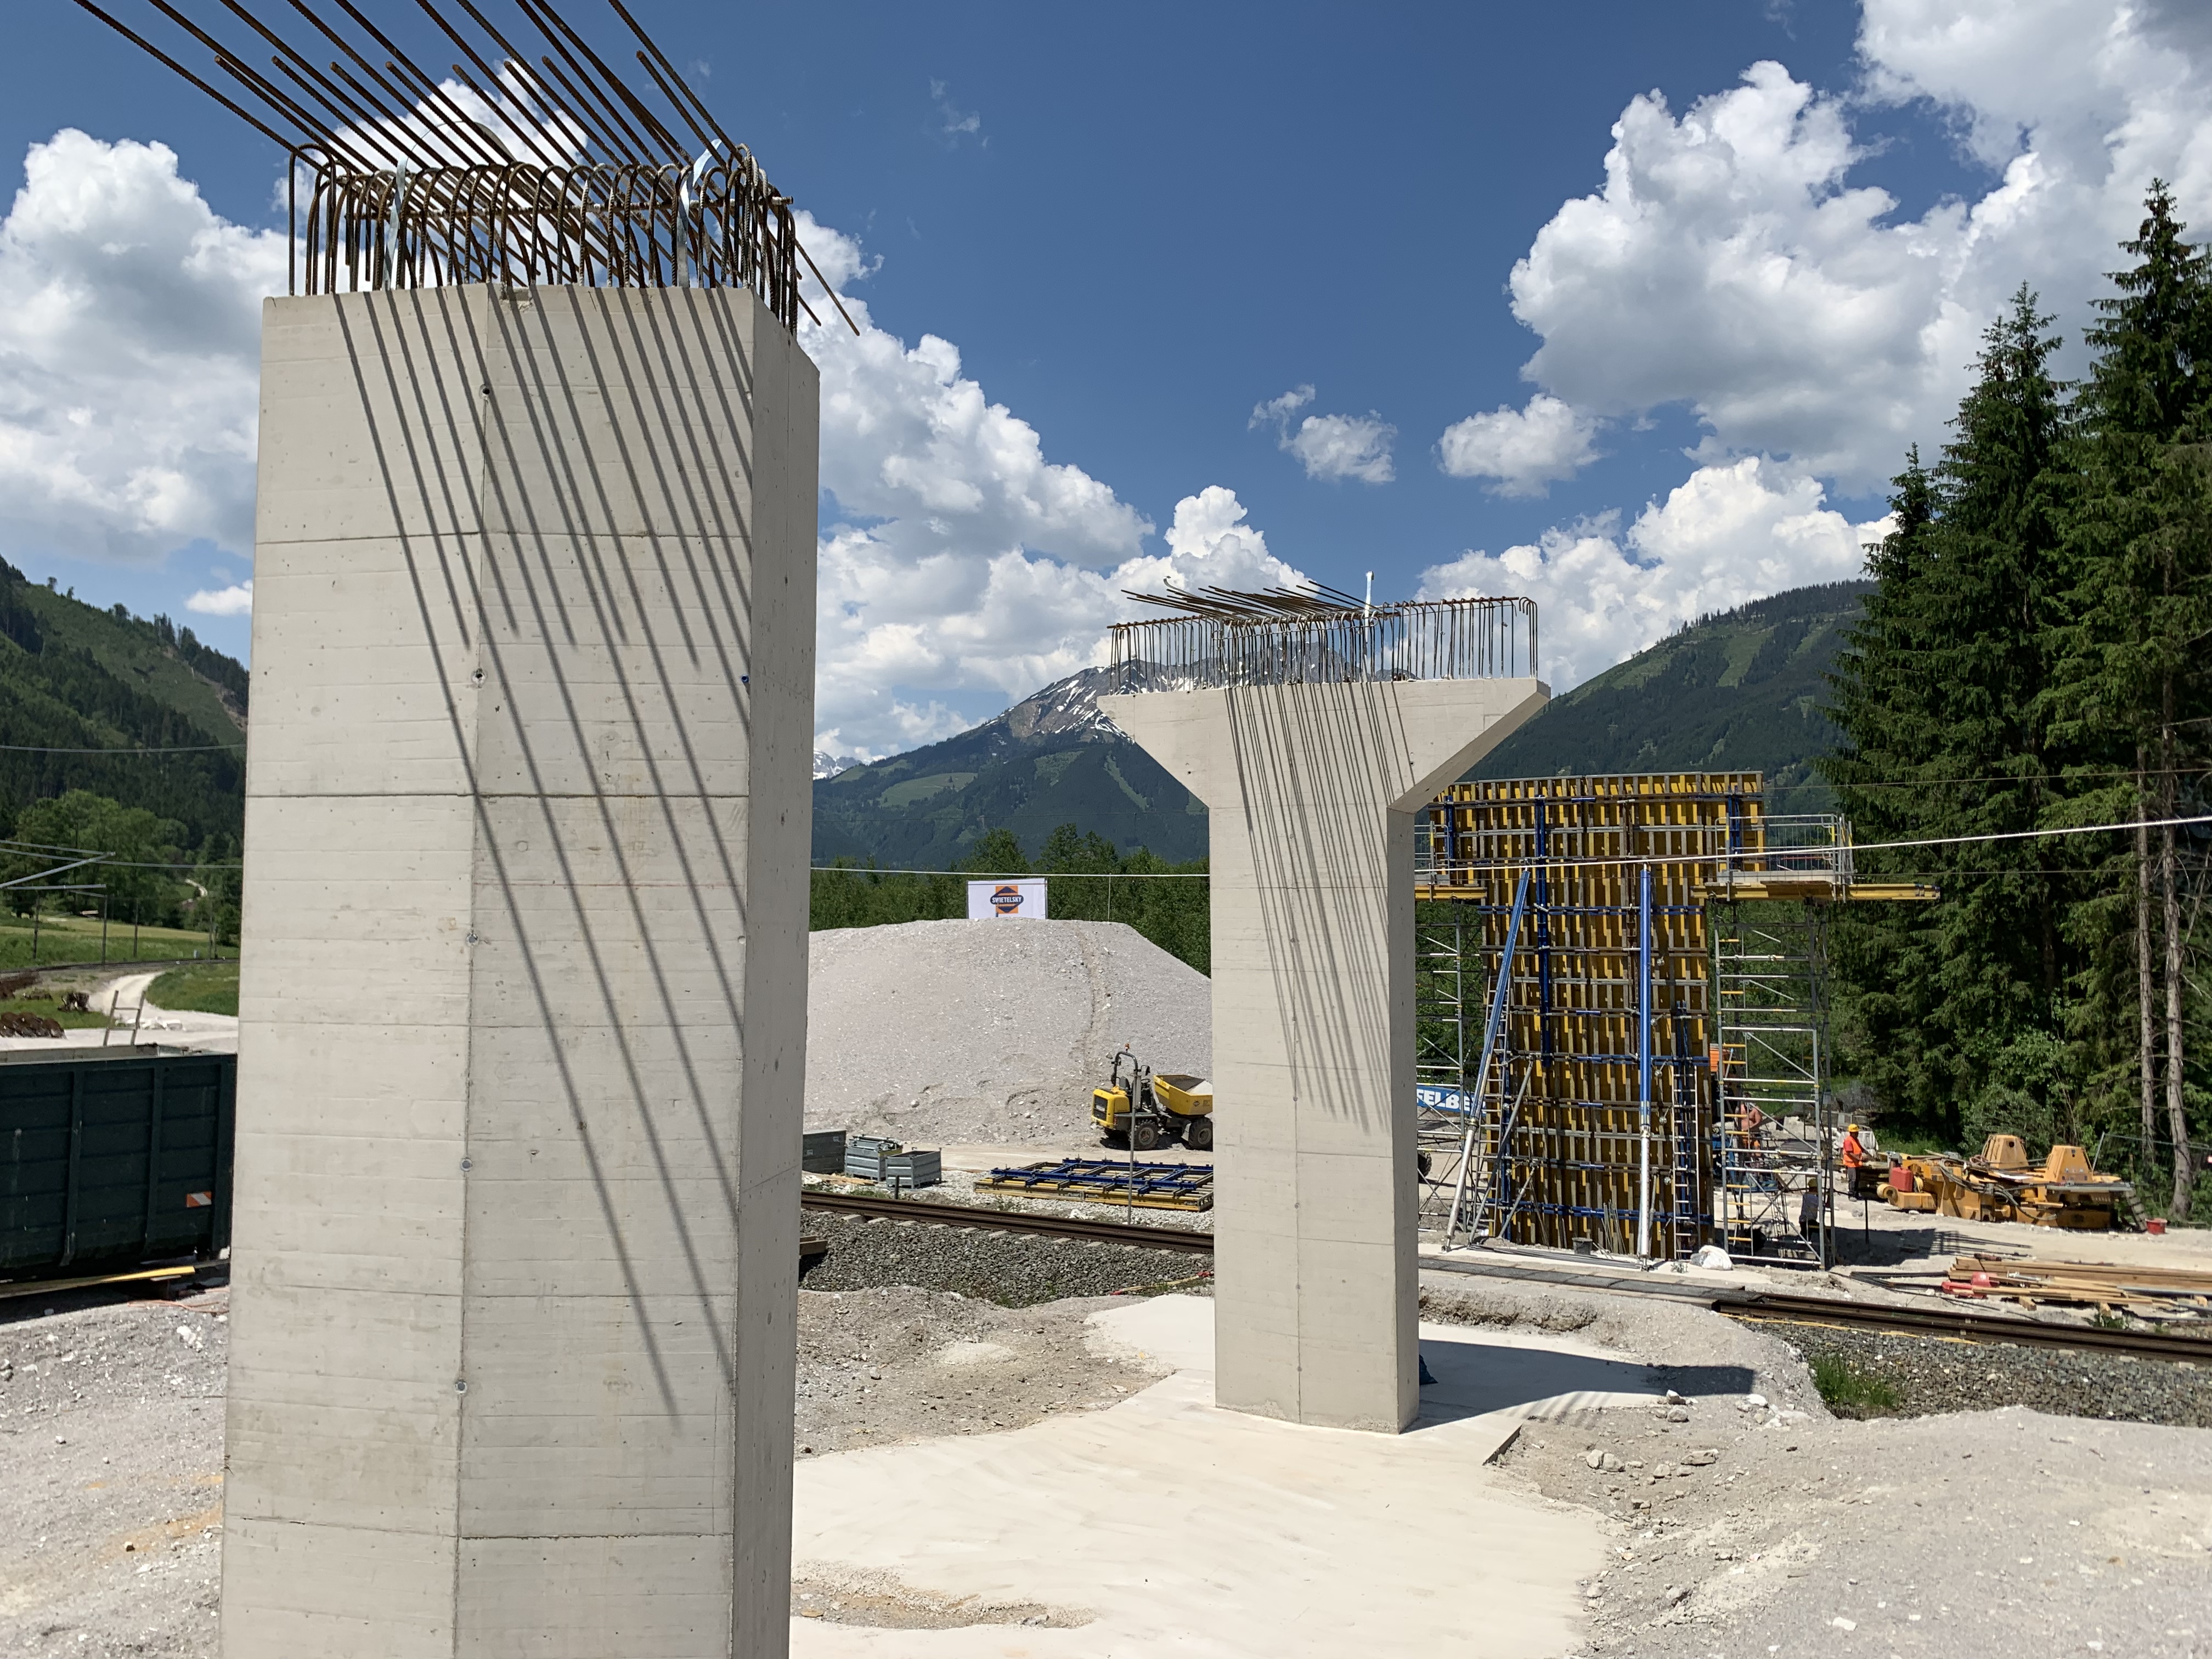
(989, 1031)
(880, 1366)
(1943, 1535)
(1008, 1269)
(110, 1478)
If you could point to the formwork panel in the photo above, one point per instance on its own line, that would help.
(1546, 1147)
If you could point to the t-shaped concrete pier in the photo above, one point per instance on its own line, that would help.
(523, 1029)
(1311, 790)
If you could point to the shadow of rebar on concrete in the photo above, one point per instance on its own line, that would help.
(549, 545)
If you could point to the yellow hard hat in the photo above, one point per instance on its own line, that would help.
(1851, 1128)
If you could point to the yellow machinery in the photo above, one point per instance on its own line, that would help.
(1140, 1108)
(2001, 1185)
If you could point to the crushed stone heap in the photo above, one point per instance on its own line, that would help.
(937, 1032)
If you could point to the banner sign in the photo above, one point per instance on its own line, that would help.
(989, 900)
(1434, 1099)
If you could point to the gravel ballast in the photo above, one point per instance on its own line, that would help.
(1013, 1270)
(1931, 1374)
(936, 1032)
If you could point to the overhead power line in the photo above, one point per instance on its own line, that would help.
(192, 749)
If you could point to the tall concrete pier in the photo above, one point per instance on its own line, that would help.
(523, 1016)
(1311, 790)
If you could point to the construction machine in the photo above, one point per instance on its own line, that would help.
(2000, 1184)
(1142, 1108)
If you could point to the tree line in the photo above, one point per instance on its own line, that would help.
(2037, 656)
(152, 872)
(1090, 881)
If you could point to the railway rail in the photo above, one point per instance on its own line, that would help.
(1764, 1306)
(1134, 1234)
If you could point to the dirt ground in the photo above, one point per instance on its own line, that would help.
(1963, 1534)
(111, 1447)
(111, 1476)
(1949, 1534)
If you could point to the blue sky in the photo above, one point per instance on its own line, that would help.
(1667, 288)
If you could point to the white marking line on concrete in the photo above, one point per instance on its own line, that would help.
(1193, 1531)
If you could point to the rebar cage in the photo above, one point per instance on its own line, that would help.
(519, 169)
(623, 226)
(1317, 642)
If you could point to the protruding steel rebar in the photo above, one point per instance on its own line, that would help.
(1313, 635)
(523, 167)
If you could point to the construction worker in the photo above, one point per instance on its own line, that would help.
(1854, 1152)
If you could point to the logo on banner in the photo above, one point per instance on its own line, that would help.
(1006, 898)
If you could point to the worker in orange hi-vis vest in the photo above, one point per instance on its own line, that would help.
(1854, 1153)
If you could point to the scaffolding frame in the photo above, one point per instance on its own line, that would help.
(1689, 1027)
(1550, 1150)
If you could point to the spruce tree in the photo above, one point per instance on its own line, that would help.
(1959, 1006)
(2132, 685)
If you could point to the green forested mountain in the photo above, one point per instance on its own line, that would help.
(1740, 691)
(1051, 759)
(1743, 691)
(74, 677)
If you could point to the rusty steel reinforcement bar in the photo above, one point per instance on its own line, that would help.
(533, 161)
(1135, 1236)
(1784, 1308)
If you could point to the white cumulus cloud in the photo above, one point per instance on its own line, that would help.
(1730, 262)
(1526, 450)
(969, 569)
(1727, 535)
(130, 353)
(1330, 447)
(235, 600)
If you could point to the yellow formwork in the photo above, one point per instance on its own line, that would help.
(1559, 1150)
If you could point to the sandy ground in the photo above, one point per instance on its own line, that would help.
(1054, 1482)
(1951, 1535)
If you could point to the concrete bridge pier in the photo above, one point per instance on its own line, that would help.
(1312, 791)
(523, 1030)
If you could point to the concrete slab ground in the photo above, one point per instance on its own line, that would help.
(1167, 1525)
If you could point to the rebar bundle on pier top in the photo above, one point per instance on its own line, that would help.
(1316, 636)
(529, 161)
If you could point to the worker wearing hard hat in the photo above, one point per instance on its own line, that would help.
(1854, 1151)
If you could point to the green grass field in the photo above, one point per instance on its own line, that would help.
(50, 1006)
(77, 939)
(208, 988)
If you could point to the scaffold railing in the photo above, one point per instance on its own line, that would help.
(1312, 637)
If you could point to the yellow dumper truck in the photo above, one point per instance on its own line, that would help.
(1142, 1108)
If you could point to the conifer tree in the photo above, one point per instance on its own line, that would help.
(2133, 681)
(1960, 1005)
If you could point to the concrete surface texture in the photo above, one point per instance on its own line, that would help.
(984, 1030)
(1166, 1525)
(523, 1013)
(1311, 791)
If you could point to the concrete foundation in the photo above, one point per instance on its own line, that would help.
(1311, 791)
(523, 1015)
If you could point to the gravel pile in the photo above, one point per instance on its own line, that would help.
(933, 1032)
(1931, 1375)
(1011, 1269)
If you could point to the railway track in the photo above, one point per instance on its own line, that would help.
(1957, 1325)
(1008, 1221)
(1763, 1307)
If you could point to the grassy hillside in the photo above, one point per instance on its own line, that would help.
(76, 676)
(1049, 760)
(1741, 692)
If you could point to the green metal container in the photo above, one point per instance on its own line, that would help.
(110, 1158)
